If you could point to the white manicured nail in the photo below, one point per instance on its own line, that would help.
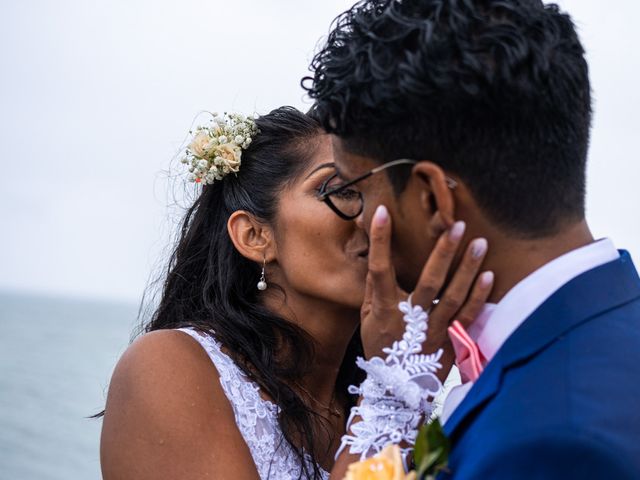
(381, 215)
(457, 231)
(479, 247)
(486, 279)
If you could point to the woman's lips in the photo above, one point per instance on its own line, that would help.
(358, 249)
(363, 255)
(359, 255)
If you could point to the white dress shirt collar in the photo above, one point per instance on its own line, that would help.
(497, 322)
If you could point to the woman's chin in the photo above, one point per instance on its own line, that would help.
(354, 296)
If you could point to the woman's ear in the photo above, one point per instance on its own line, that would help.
(250, 237)
(436, 196)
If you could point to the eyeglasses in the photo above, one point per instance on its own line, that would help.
(348, 202)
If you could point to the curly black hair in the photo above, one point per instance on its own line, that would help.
(495, 91)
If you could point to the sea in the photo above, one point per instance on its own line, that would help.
(56, 358)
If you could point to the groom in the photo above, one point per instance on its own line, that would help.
(492, 98)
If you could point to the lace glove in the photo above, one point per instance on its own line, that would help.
(396, 394)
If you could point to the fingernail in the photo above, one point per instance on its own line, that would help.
(457, 231)
(486, 279)
(381, 215)
(479, 247)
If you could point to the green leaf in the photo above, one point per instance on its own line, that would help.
(437, 438)
(428, 463)
(421, 447)
(431, 451)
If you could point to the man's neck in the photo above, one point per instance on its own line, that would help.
(512, 260)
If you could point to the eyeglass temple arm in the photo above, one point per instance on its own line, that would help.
(393, 163)
(451, 183)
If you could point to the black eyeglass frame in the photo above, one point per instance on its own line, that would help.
(325, 195)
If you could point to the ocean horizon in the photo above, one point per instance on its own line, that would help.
(56, 358)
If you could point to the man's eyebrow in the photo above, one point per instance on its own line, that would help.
(320, 167)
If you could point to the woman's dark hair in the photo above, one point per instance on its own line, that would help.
(211, 287)
(494, 91)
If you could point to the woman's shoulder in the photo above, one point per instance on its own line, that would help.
(167, 367)
(163, 354)
(162, 370)
(162, 399)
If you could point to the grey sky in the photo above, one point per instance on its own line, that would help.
(97, 97)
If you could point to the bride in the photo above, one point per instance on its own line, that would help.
(244, 369)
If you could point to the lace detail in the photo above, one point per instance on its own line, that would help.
(257, 418)
(397, 392)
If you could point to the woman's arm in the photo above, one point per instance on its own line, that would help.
(167, 416)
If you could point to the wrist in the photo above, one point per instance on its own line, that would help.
(396, 395)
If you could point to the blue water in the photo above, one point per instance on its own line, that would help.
(56, 358)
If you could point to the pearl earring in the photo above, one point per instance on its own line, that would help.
(262, 284)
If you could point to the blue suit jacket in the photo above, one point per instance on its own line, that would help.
(561, 398)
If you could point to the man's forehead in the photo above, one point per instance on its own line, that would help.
(348, 163)
(340, 156)
(337, 145)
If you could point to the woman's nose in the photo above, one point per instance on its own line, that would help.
(360, 221)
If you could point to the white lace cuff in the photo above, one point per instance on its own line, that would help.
(397, 393)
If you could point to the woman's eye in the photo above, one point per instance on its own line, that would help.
(333, 182)
(347, 194)
(329, 184)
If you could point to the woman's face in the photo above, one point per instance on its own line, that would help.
(319, 254)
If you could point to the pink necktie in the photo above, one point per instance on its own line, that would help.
(469, 358)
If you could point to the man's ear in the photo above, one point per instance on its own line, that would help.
(250, 237)
(436, 196)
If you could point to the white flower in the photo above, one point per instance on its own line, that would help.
(231, 157)
(199, 143)
(210, 177)
(216, 150)
(212, 143)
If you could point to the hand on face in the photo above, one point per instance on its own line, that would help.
(462, 299)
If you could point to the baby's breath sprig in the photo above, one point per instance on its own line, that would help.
(216, 148)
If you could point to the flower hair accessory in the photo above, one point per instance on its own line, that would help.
(216, 148)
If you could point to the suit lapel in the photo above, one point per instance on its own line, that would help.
(594, 292)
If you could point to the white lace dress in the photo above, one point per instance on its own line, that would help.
(256, 417)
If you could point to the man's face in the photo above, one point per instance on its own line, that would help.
(411, 243)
